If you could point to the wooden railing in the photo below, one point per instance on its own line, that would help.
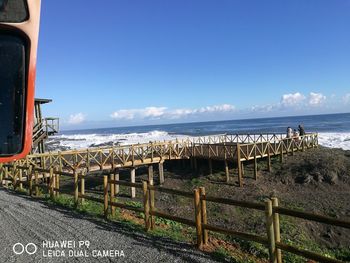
(270, 208)
(222, 147)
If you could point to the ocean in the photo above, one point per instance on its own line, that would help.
(333, 129)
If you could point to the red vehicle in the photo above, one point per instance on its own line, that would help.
(19, 30)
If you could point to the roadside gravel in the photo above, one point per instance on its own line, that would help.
(26, 220)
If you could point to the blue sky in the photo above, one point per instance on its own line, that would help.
(117, 63)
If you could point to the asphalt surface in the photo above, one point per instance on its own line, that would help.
(40, 228)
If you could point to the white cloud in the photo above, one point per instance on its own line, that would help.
(154, 112)
(217, 108)
(165, 113)
(263, 108)
(292, 99)
(315, 99)
(76, 118)
(346, 98)
(146, 113)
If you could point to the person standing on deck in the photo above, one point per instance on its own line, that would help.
(289, 132)
(301, 130)
(296, 135)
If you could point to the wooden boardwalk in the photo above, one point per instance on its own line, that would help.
(236, 149)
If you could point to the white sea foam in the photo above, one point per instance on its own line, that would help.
(335, 140)
(80, 141)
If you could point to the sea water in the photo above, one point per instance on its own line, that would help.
(333, 129)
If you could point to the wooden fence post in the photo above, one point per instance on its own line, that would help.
(276, 226)
(36, 183)
(105, 196)
(146, 205)
(82, 186)
(14, 176)
(30, 180)
(20, 179)
(58, 184)
(239, 165)
(6, 177)
(76, 188)
(112, 193)
(1, 173)
(204, 214)
(270, 231)
(51, 186)
(197, 211)
(151, 195)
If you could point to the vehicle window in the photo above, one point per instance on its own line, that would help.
(13, 11)
(12, 94)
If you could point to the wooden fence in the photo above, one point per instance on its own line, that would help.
(270, 208)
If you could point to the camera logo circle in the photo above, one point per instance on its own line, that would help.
(19, 248)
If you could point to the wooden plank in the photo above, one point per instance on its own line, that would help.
(313, 217)
(241, 235)
(257, 206)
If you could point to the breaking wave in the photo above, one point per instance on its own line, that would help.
(80, 141)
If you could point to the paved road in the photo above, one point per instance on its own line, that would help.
(25, 220)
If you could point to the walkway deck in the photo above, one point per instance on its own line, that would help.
(235, 149)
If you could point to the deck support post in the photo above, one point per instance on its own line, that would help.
(227, 172)
(239, 166)
(161, 173)
(255, 168)
(269, 160)
(195, 164)
(132, 179)
(210, 166)
(281, 152)
(116, 178)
